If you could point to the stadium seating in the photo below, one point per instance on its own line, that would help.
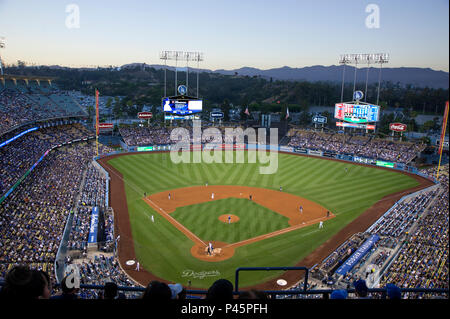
(21, 103)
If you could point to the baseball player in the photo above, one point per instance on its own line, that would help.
(170, 196)
(137, 266)
(328, 213)
(281, 189)
(229, 219)
(321, 225)
(206, 184)
(153, 219)
(251, 197)
(208, 251)
(212, 195)
(210, 248)
(301, 209)
(346, 169)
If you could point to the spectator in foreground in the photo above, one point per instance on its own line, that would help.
(111, 292)
(393, 292)
(67, 293)
(178, 291)
(25, 283)
(361, 289)
(339, 294)
(220, 290)
(158, 291)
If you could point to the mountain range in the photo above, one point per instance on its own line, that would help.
(416, 77)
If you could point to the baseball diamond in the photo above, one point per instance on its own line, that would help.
(183, 228)
(158, 152)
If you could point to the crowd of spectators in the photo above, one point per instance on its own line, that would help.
(99, 271)
(364, 146)
(413, 247)
(423, 260)
(402, 215)
(80, 229)
(21, 103)
(33, 217)
(19, 155)
(94, 189)
(139, 136)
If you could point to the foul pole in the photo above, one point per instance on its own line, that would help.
(96, 118)
(441, 142)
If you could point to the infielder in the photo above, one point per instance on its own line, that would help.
(301, 209)
(137, 266)
(169, 196)
(321, 225)
(212, 195)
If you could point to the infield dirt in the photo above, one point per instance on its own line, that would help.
(282, 203)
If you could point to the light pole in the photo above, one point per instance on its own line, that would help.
(2, 46)
(380, 58)
(181, 56)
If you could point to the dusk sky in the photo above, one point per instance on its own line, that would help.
(231, 34)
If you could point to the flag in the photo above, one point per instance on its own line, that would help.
(287, 113)
(246, 111)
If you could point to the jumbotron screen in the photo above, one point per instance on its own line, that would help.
(357, 113)
(182, 107)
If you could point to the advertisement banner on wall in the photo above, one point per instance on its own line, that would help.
(385, 164)
(286, 149)
(300, 150)
(329, 154)
(93, 229)
(315, 153)
(357, 255)
(144, 148)
(355, 125)
(363, 160)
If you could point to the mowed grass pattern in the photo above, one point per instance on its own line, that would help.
(254, 220)
(165, 251)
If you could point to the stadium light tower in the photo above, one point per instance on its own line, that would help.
(180, 56)
(2, 45)
(356, 59)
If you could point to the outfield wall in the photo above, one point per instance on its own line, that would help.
(285, 149)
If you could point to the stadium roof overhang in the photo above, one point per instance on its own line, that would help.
(25, 78)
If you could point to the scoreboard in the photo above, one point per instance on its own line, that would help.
(357, 113)
(182, 106)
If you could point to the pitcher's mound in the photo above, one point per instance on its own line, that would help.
(224, 218)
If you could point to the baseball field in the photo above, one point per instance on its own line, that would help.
(168, 235)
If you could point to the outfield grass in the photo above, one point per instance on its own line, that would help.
(165, 251)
